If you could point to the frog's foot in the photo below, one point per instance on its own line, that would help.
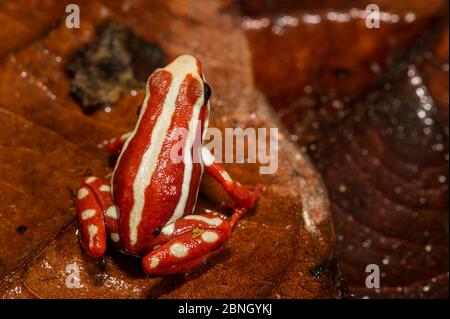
(243, 197)
(114, 145)
(186, 243)
(96, 215)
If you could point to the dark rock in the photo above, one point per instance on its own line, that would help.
(116, 61)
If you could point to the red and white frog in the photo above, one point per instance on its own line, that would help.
(148, 209)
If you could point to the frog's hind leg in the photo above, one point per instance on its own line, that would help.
(187, 243)
(97, 215)
(243, 197)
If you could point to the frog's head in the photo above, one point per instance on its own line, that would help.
(182, 78)
(187, 68)
(182, 85)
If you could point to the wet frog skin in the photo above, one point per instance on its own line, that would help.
(147, 209)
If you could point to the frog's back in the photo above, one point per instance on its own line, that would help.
(154, 181)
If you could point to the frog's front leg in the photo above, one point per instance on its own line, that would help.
(114, 145)
(97, 215)
(186, 243)
(244, 198)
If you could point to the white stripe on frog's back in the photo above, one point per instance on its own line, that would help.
(187, 160)
(179, 69)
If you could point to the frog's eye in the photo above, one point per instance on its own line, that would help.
(208, 92)
(157, 231)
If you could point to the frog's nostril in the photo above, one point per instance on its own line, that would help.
(207, 92)
(157, 231)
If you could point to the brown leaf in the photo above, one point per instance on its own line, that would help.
(273, 251)
(386, 165)
(386, 169)
(314, 63)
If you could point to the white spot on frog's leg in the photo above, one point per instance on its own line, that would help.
(168, 230)
(112, 212)
(209, 237)
(211, 221)
(154, 261)
(92, 232)
(88, 213)
(178, 250)
(114, 237)
(82, 193)
(91, 179)
(105, 188)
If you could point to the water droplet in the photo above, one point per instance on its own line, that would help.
(437, 147)
(337, 104)
(420, 92)
(421, 114)
(367, 243)
(307, 89)
(415, 80)
(410, 17)
(375, 67)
